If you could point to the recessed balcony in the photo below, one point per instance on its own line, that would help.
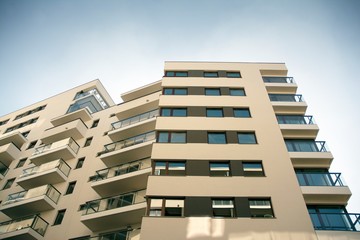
(137, 147)
(280, 84)
(112, 212)
(32, 201)
(75, 129)
(65, 149)
(52, 172)
(144, 122)
(13, 137)
(28, 228)
(297, 126)
(123, 178)
(8, 153)
(288, 103)
(83, 114)
(3, 170)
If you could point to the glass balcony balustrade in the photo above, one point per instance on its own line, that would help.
(299, 145)
(119, 201)
(3, 169)
(335, 221)
(95, 93)
(118, 235)
(135, 119)
(65, 142)
(149, 136)
(295, 119)
(46, 190)
(278, 79)
(121, 170)
(34, 222)
(59, 164)
(319, 179)
(286, 98)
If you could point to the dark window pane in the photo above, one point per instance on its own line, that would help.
(181, 74)
(237, 92)
(178, 137)
(163, 137)
(168, 91)
(211, 74)
(179, 112)
(233, 74)
(170, 74)
(214, 112)
(246, 138)
(220, 169)
(165, 112)
(242, 113)
(253, 169)
(217, 138)
(59, 217)
(180, 91)
(212, 92)
(176, 168)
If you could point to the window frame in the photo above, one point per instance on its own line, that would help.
(170, 135)
(21, 163)
(242, 110)
(216, 133)
(173, 91)
(232, 209)
(167, 170)
(95, 123)
(212, 89)
(59, 217)
(219, 173)
(161, 211)
(88, 141)
(253, 173)
(80, 160)
(232, 90)
(228, 74)
(172, 112)
(247, 133)
(70, 188)
(8, 184)
(262, 215)
(176, 74)
(220, 110)
(211, 74)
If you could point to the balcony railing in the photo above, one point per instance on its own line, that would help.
(59, 164)
(95, 93)
(35, 222)
(286, 98)
(319, 179)
(295, 119)
(118, 235)
(278, 79)
(135, 119)
(336, 221)
(108, 203)
(305, 146)
(68, 141)
(129, 142)
(46, 190)
(3, 169)
(121, 169)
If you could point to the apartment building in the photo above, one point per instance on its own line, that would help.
(214, 150)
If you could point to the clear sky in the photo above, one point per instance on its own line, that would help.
(49, 46)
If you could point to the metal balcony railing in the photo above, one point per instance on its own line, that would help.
(135, 119)
(297, 145)
(295, 119)
(68, 141)
(122, 234)
(46, 190)
(278, 79)
(336, 221)
(60, 164)
(35, 222)
(3, 169)
(320, 179)
(129, 142)
(119, 201)
(121, 169)
(286, 98)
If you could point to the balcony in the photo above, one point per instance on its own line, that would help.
(112, 212)
(29, 228)
(336, 221)
(65, 149)
(323, 187)
(52, 172)
(280, 84)
(94, 97)
(3, 170)
(297, 126)
(123, 178)
(137, 147)
(13, 137)
(124, 234)
(9, 153)
(32, 201)
(134, 125)
(75, 129)
(307, 153)
(83, 114)
(288, 103)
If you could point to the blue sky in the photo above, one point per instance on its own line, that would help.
(49, 46)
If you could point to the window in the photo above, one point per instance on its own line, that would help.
(212, 91)
(169, 168)
(20, 125)
(242, 113)
(59, 217)
(21, 163)
(32, 144)
(4, 122)
(70, 188)
(221, 169)
(80, 163)
(9, 183)
(233, 74)
(214, 112)
(253, 169)
(175, 112)
(166, 207)
(175, 91)
(25, 134)
(247, 138)
(261, 208)
(217, 137)
(88, 141)
(223, 207)
(30, 112)
(176, 74)
(237, 92)
(301, 145)
(211, 74)
(95, 123)
(172, 137)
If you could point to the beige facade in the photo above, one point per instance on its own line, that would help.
(212, 150)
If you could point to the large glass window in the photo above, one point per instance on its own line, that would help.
(212, 92)
(253, 169)
(242, 113)
(290, 119)
(176, 74)
(261, 208)
(214, 112)
(221, 169)
(247, 138)
(169, 168)
(172, 137)
(174, 112)
(175, 91)
(59, 217)
(237, 92)
(301, 145)
(166, 207)
(223, 208)
(217, 137)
